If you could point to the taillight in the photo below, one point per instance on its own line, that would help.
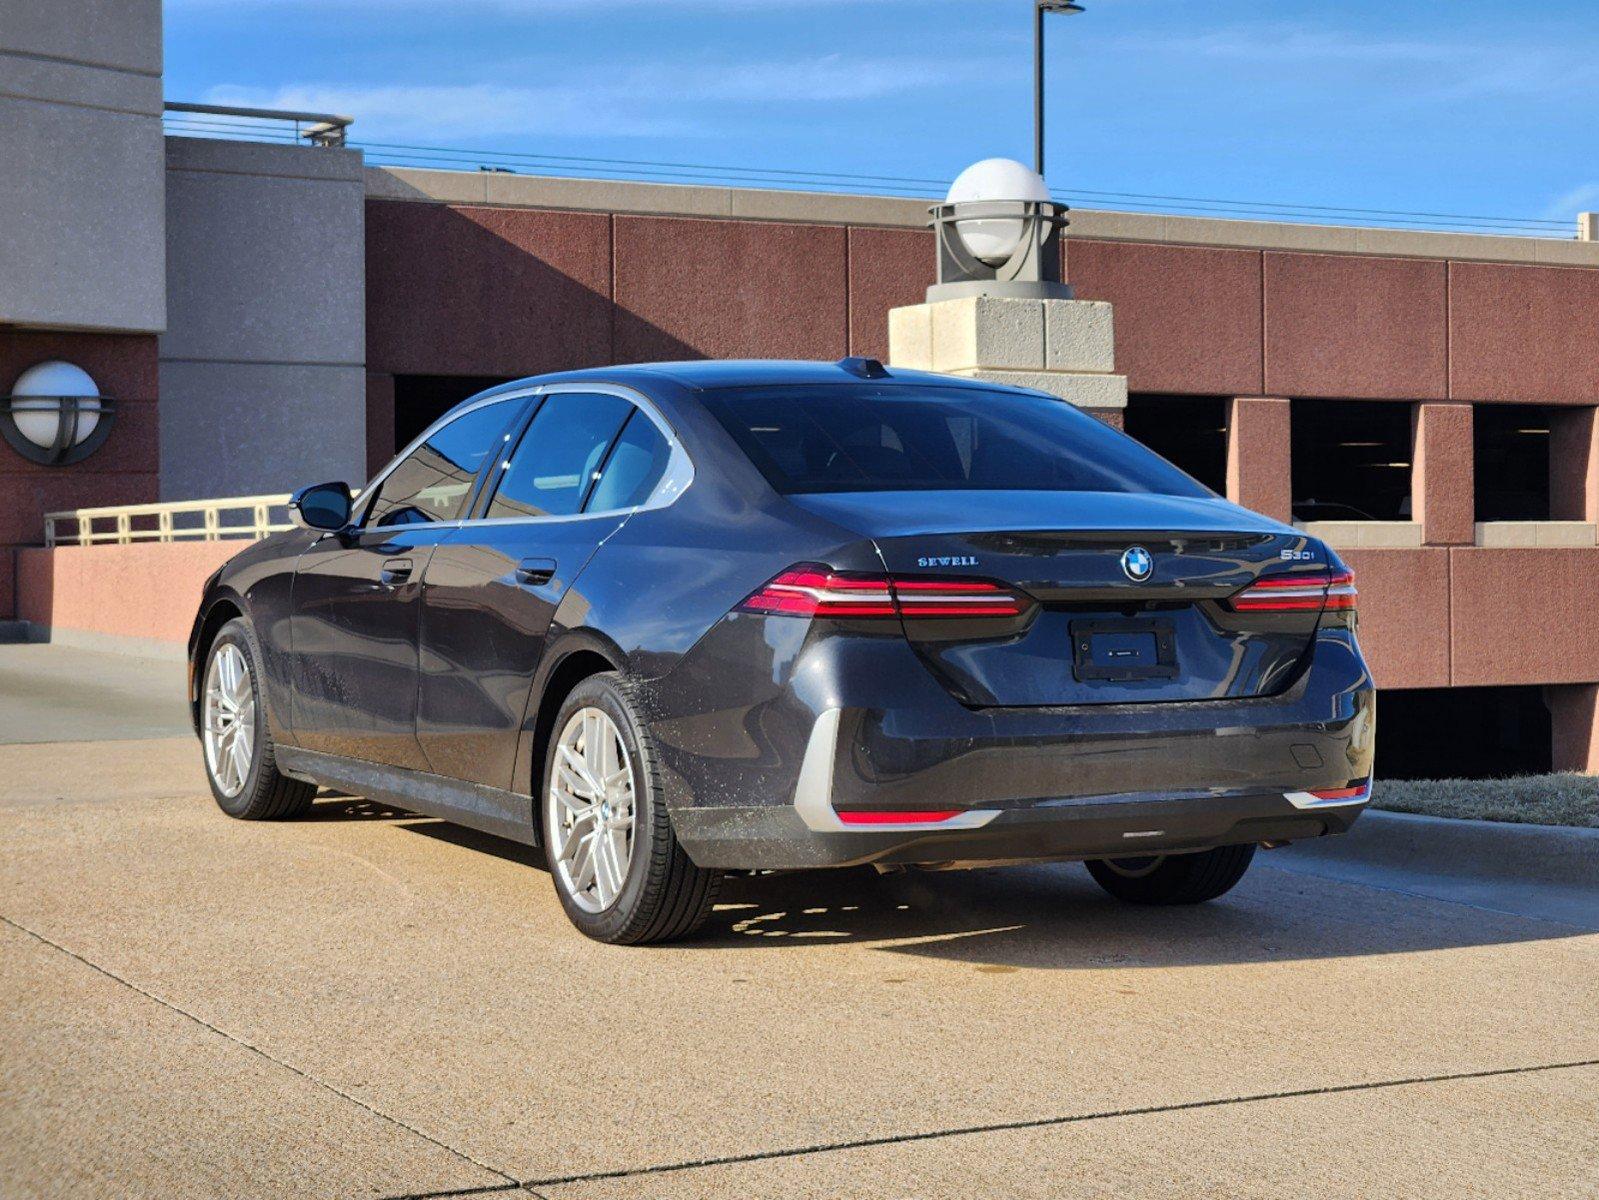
(955, 598)
(1306, 591)
(816, 591)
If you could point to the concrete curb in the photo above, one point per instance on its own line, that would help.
(1481, 849)
(1550, 872)
(106, 643)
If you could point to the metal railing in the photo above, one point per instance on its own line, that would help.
(183, 520)
(256, 124)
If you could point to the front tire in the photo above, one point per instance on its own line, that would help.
(240, 759)
(618, 869)
(1173, 878)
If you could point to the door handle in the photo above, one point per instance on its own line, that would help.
(535, 571)
(395, 570)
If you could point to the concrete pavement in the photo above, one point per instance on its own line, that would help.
(65, 694)
(367, 1003)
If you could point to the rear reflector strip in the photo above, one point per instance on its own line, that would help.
(1305, 591)
(1329, 797)
(813, 795)
(808, 590)
(898, 817)
(1343, 793)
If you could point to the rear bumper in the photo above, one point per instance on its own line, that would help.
(1090, 781)
(777, 838)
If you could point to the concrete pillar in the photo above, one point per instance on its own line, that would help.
(1574, 713)
(1443, 474)
(1064, 347)
(1259, 456)
(1588, 227)
(379, 421)
(263, 364)
(82, 237)
(1574, 465)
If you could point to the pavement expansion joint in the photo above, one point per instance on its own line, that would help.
(510, 1184)
(491, 1189)
(1048, 1122)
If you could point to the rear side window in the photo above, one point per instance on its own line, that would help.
(557, 459)
(633, 468)
(865, 438)
(433, 481)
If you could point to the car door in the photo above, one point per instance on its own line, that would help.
(354, 606)
(585, 459)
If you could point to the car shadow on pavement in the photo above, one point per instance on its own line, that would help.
(341, 806)
(1042, 916)
(334, 805)
(1053, 916)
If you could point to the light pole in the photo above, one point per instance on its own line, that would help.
(1040, 7)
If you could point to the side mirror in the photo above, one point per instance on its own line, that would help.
(321, 506)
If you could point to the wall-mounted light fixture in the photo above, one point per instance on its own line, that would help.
(55, 415)
(999, 235)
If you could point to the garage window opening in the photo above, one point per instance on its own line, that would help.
(1351, 460)
(1188, 431)
(1511, 444)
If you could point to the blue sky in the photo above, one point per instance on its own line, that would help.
(1440, 107)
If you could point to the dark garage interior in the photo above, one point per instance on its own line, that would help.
(1462, 733)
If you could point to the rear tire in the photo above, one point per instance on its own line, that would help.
(236, 743)
(1173, 878)
(616, 863)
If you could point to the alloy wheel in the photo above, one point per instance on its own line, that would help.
(229, 719)
(590, 811)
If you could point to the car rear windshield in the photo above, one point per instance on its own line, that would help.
(901, 438)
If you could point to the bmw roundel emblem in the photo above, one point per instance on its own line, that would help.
(1138, 563)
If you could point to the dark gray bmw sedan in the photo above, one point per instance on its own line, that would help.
(671, 621)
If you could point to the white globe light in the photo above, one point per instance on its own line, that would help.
(993, 239)
(38, 420)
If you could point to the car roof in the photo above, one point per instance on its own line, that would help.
(711, 374)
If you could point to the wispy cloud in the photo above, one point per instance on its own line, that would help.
(647, 100)
(1431, 69)
(1297, 43)
(1582, 198)
(531, 8)
(445, 111)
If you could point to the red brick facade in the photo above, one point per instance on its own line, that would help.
(477, 290)
(483, 290)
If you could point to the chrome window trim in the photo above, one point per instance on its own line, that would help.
(674, 481)
(370, 491)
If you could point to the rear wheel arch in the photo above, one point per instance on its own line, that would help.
(578, 659)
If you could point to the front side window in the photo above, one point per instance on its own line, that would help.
(558, 458)
(432, 483)
(865, 438)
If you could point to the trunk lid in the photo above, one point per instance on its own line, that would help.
(1097, 634)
